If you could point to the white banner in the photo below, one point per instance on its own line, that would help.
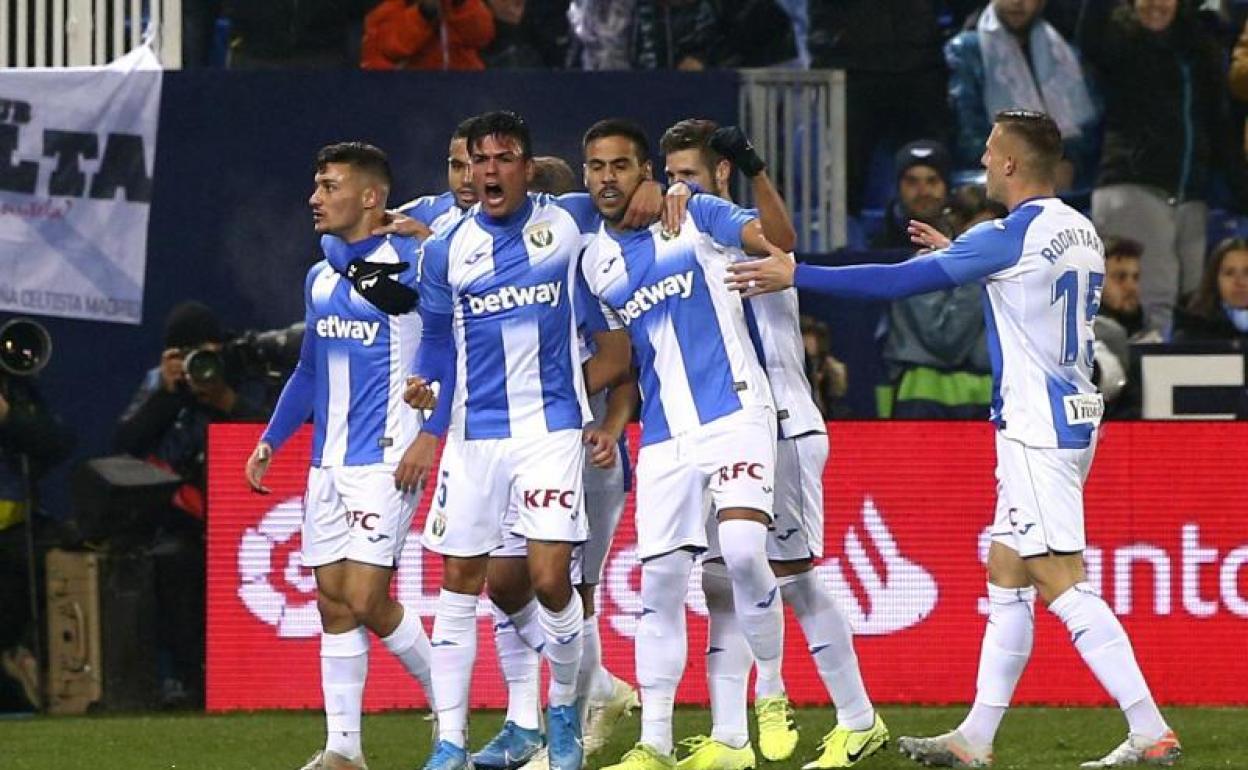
(77, 158)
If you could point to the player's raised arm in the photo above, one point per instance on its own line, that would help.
(732, 143)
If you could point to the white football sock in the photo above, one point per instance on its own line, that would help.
(760, 610)
(454, 652)
(593, 682)
(831, 645)
(521, 668)
(565, 640)
(661, 643)
(1002, 657)
(728, 659)
(344, 667)
(1104, 646)
(410, 645)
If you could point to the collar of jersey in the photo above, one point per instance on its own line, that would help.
(1033, 199)
(494, 223)
(340, 253)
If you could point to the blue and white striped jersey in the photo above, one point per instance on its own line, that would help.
(688, 331)
(439, 212)
(1042, 268)
(508, 285)
(353, 364)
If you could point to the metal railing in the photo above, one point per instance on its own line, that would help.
(796, 119)
(79, 33)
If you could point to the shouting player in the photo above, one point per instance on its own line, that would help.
(1042, 267)
(361, 337)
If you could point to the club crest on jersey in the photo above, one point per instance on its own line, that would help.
(540, 235)
(337, 328)
(648, 297)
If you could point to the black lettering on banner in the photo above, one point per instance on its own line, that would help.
(14, 111)
(123, 166)
(69, 147)
(15, 177)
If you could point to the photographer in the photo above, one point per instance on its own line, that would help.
(27, 429)
(167, 425)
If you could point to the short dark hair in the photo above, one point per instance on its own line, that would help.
(1041, 135)
(461, 130)
(359, 155)
(691, 134)
(552, 175)
(503, 123)
(1125, 248)
(620, 127)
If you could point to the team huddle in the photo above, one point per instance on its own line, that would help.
(521, 328)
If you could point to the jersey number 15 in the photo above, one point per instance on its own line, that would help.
(1066, 291)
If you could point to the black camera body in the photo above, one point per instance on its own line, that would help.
(268, 355)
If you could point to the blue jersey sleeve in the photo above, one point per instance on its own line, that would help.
(581, 207)
(434, 285)
(294, 405)
(435, 362)
(589, 317)
(983, 250)
(427, 208)
(719, 219)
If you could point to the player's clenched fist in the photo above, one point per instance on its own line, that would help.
(258, 465)
(420, 393)
(601, 448)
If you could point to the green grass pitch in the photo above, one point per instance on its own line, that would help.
(1030, 738)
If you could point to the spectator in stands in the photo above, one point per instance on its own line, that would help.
(1119, 323)
(427, 35)
(28, 428)
(1238, 77)
(829, 378)
(968, 206)
(923, 169)
(1219, 309)
(891, 50)
(600, 33)
(528, 34)
(701, 34)
(1008, 57)
(936, 348)
(1167, 128)
(295, 33)
(167, 425)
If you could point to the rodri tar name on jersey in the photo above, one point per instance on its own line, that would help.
(119, 161)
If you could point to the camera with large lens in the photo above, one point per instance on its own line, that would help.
(25, 347)
(268, 355)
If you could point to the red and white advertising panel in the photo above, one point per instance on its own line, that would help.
(908, 505)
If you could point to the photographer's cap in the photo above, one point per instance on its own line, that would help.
(190, 325)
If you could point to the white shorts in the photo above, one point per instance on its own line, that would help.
(1040, 497)
(796, 531)
(727, 463)
(354, 512)
(604, 502)
(487, 488)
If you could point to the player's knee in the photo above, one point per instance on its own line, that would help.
(365, 605)
(509, 598)
(335, 615)
(463, 576)
(553, 589)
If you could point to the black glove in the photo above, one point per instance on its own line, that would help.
(372, 280)
(732, 143)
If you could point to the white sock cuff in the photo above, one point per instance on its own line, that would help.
(1068, 603)
(345, 645)
(526, 614)
(999, 595)
(453, 605)
(406, 633)
(590, 624)
(797, 579)
(567, 620)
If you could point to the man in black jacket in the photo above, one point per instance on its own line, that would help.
(1167, 128)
